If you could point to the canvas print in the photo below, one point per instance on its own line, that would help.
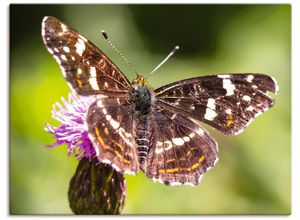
(124, 131)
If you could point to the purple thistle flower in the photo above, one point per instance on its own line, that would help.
(72, 129)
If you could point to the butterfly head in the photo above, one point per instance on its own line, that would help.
(140, 81)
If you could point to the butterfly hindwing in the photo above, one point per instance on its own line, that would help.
(110, 125)
(182, 152)
(226, 102)
(86, 68)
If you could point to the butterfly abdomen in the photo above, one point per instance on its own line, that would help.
(143, 140)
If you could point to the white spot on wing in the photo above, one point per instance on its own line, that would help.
(116, 167)
(108, 117)
(210, 114)
(106, 161)
(228, 111)
(227, 84)
(114, 124)
(97, 151)
(224, 76)
(157, 180)
(99, 103)
(246, 98)
(64, 73)
(250, 108)
(43, 25)
(50, 50)
(80, 46)
(175, 183)
(130, 172)
(249, 78)
(93, 83)
(64, 27)
(57, 59)
(63, 57)
(191, 135)
(93, 71)
(66, 49)
(186, 139)
(211, 103)
(178, 141)
(70, 85)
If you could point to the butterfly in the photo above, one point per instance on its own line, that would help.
(133, 126)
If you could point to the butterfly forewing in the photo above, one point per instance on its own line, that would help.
(183, 150)
(227, 102)
(86, 68)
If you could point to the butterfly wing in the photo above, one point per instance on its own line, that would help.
(110, 123)
(86, 68)
(226, 102)
(182, 152)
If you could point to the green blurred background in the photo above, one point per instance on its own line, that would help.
(253, 175)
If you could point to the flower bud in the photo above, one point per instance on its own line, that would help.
(96, 188)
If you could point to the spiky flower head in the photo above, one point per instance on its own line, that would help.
(72, 129)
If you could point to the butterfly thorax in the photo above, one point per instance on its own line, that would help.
(142, 101)
(141, 96)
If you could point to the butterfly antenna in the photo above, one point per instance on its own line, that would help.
(105, 35)
(165, 60)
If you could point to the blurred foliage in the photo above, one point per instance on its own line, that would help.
(253, 175)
